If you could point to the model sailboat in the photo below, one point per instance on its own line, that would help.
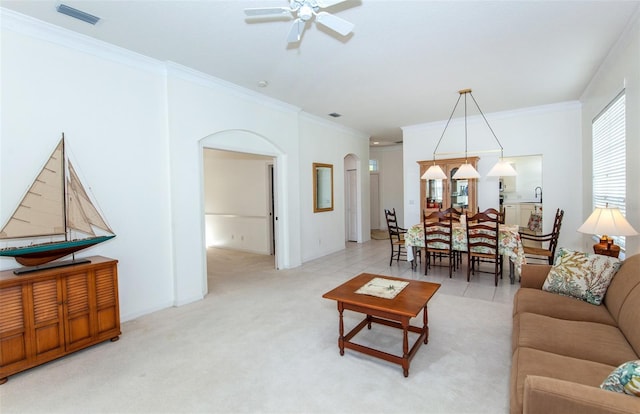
(56, 208)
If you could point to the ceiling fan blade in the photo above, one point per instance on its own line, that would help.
(328, 3)
(295, 34)
(267, 11)
(335, 23)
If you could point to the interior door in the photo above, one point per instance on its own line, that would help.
(352, 205)
(374, 200)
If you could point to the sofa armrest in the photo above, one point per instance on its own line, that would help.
(544, 395)
(533, 275)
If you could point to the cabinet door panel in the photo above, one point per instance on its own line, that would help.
(13, 345)
(77, 318)
(106, 299)
(49, 335)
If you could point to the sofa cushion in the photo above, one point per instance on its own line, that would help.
(527, 361)
(557, 306)
(582, 275)
(629, 319)
(627, 278)
(625, 379)
(591, 341)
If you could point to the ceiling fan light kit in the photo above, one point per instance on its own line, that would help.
(304, 11)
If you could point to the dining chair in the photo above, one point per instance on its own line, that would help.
(492, 212)
(482, 244)
(453, 213)
(438, 240)
(396, 236)
(456, 217)
(550, 240)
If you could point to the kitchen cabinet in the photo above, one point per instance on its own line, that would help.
(47, 314)
(461, 194)
(519, 213)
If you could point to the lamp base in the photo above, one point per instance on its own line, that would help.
(607, 249)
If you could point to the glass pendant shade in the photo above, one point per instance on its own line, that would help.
(607, 221)
(434, 173)
(502, 169)
(465, 171)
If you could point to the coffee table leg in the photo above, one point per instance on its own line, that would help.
(341, 328)
(405, 346)
(425, 325)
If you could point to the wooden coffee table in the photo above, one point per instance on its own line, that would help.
(395, 312)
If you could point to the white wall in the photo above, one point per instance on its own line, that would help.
(390, 167)
(138, 128)
(621, 70)
(552, 130)
(324, 232)
(111, 109)
(236, 192)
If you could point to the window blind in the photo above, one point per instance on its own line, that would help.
(609, 158)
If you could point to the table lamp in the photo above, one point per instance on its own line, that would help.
(607, 221)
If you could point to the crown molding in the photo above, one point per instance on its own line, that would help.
(176, 70)
(29, 26)
(533, 110)
(330, 124)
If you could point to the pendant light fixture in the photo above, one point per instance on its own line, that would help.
(466, 170)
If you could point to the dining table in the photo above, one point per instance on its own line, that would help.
(509, 244)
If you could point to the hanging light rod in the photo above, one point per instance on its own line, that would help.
(466, 170)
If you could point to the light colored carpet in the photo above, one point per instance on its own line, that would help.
(266, 341)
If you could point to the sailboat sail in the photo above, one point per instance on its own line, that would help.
(84, 214)
(53, 206)
(41, 211)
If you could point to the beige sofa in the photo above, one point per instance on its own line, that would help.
(564, 348)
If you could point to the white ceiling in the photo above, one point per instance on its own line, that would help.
(403, 64)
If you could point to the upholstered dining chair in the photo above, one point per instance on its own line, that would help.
(482, 244)
(396, 236)
(438, 240)
(549, 242)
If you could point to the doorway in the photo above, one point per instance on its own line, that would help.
(352, 196)
(374, 199)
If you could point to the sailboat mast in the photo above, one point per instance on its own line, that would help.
(64, 190)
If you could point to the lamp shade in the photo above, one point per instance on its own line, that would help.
(434, 173)
(502, 169)
(466, 171)
(607, 221)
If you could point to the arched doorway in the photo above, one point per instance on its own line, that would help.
(238, 217)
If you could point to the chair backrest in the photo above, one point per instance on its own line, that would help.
(453, 214)
(438, 233)
(557, 223)
(392, 224)
(492, 212)
(482, 234)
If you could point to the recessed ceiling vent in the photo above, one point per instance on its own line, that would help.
(78, 14)
(335, 114)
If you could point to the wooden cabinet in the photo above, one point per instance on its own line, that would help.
(50, 313)
(461, 194)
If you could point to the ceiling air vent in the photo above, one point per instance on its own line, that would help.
(335, 114)
(78, 14)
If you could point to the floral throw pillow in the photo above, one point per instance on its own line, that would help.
(581, 275)
(625, 379)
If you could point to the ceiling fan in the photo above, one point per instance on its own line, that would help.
(304, 11)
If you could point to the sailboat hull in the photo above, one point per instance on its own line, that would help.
(39, 254)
